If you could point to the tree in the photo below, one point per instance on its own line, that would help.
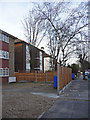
(33, 27)
(74, 67)
(83, 53)
(63, 30)
(52, 45)
(34, 32)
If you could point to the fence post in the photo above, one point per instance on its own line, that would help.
(36, 76)
(26, 75)
(65, 76)
(71, 74)
(46, 77)
(18, 77)
(57, 78)
(68, 75)
(62, 77)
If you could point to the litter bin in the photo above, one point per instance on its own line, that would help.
(55, 82)
(73, 75)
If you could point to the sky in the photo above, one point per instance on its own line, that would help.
(12, 12)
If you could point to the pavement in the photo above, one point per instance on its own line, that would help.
(73, 101)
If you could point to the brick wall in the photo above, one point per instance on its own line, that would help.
(5, 46)
(4, 79)
(5, 63)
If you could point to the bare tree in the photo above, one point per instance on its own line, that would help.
(64, 30)
(52, 45)
(33, 28)
(34, 32)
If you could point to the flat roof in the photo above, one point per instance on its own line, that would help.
(45, 54)
(5, 33)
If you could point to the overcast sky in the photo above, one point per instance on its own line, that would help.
(12, 12)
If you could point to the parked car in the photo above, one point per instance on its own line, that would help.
(86, 74)
(88, 78)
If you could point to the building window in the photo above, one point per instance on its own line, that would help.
(7, 55)
(1, 71)
(4, 72)
(4, 54)
(37, 68)
(0, 53)
(7, 71)
(0, 36)
(4, 38)
(27, 58)
(40, 60)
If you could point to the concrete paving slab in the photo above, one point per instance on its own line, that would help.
(56, 115)
(49, 95)
(72, 103)
(68, 109)
(77, 90)
(80, 109)
(68, 106)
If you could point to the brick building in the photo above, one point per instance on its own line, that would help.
(23, 57)
(15, 56)
(6, 56)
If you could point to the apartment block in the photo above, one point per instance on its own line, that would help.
(6, 56)
(23, 56)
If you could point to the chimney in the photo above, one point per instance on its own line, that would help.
(42, 48)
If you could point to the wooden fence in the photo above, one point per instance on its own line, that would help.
(65, 76)
(35, 76)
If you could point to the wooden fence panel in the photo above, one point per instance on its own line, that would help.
(50, 76)
(41, 77)
(60, 78)
(30, 76)
(69, 75)
(65, 76)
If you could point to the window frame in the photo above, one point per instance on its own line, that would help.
(41, 60)
(4, 38)
(4, 72)
(1, 72)
(4, 54)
